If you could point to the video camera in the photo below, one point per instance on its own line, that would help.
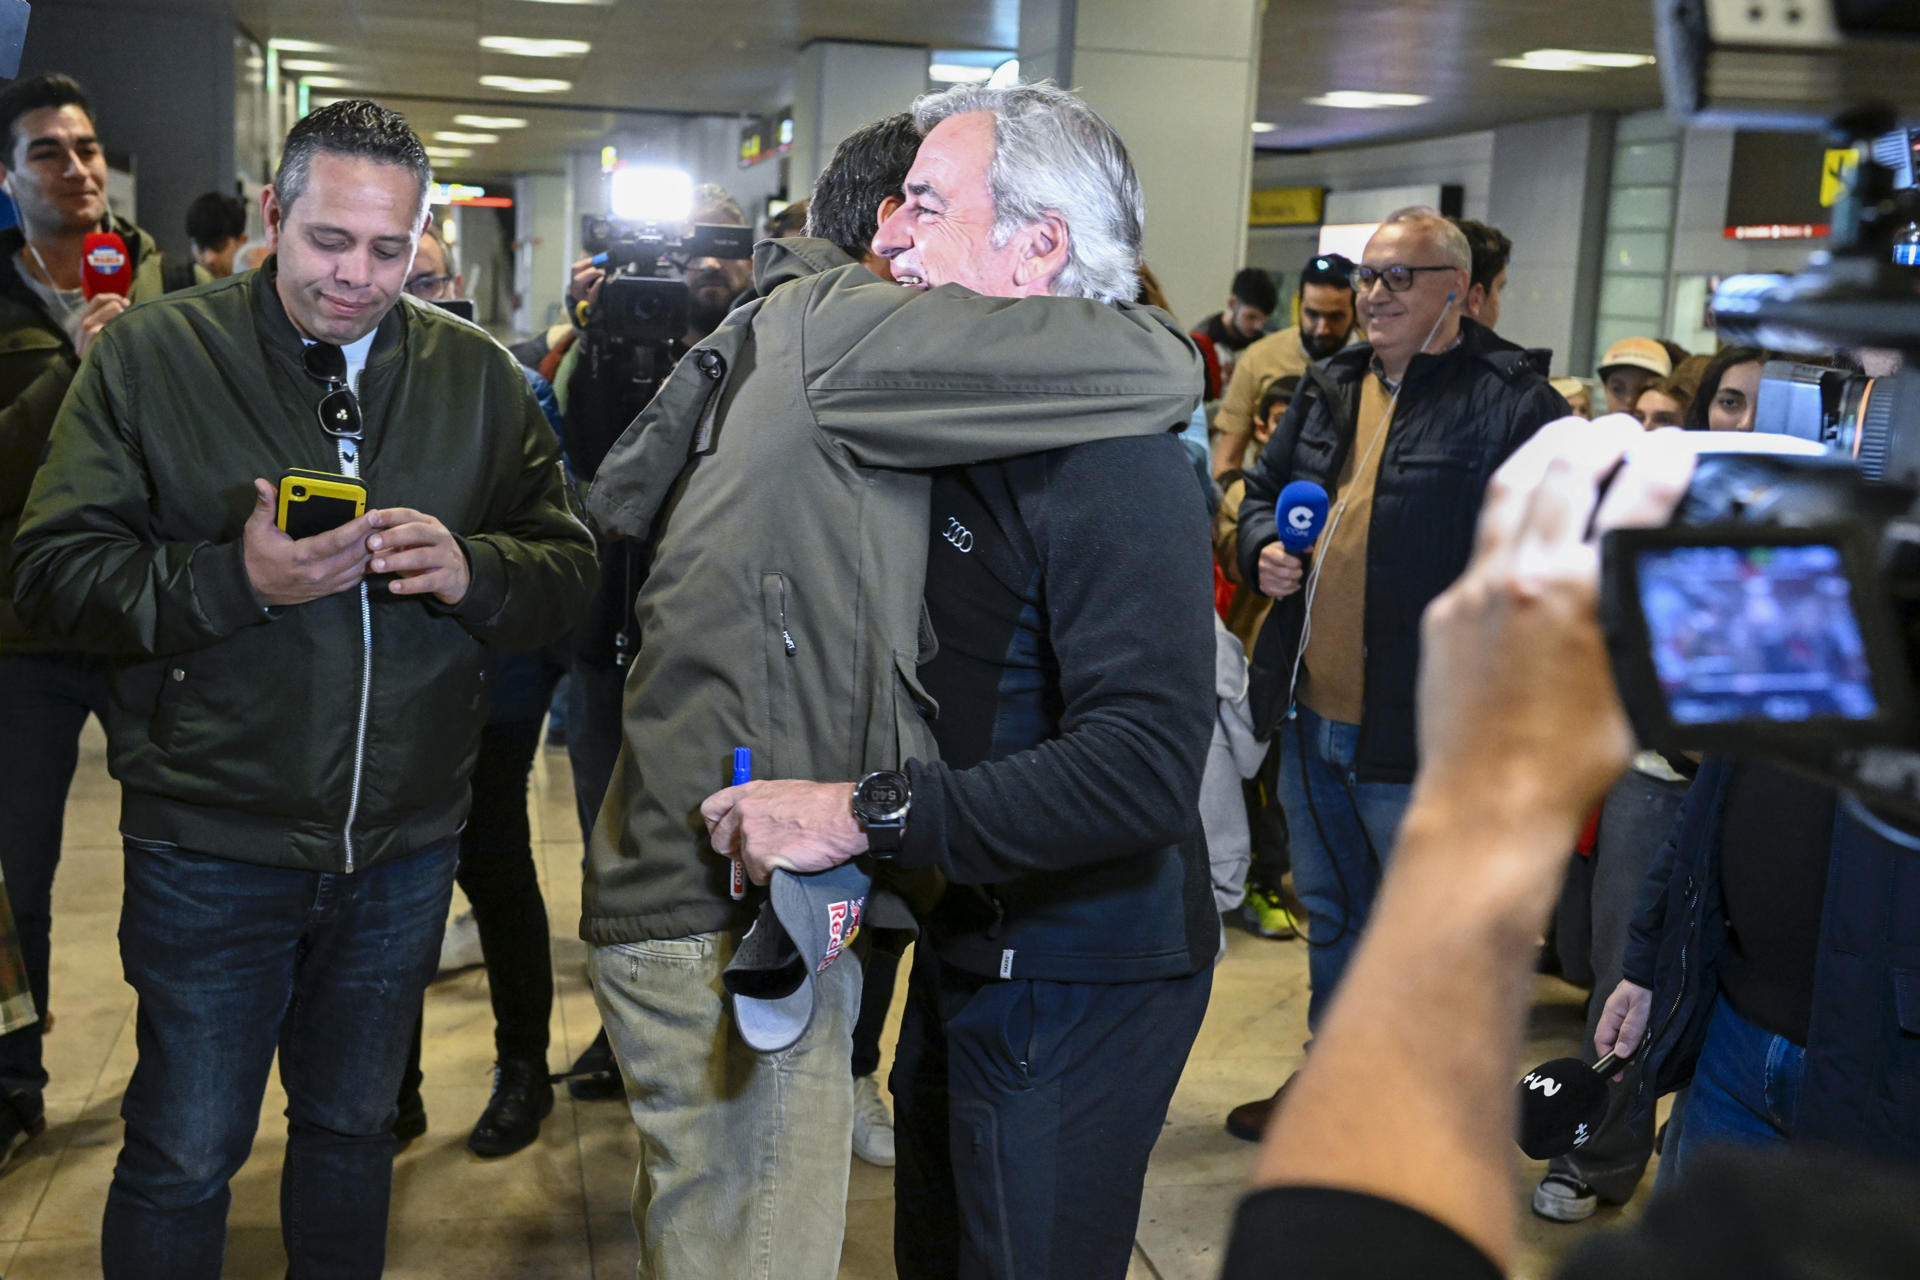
(1779, 611)
(638, 303)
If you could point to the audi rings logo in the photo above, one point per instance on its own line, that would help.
(958, 534)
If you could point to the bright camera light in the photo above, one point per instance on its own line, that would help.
(643, 194)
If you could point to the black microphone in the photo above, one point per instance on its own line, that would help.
(1562, 1104)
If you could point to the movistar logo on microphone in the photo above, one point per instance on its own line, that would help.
(1543, 1084)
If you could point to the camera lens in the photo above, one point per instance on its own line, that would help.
(299, 491)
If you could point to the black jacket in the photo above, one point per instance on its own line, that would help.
(1072, 838)
(1861, 1089)
(1461, 413)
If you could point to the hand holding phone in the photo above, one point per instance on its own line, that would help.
(285, 570)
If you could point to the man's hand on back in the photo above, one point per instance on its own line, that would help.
(288, 571)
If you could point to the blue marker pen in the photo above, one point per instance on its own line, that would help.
(742, 773)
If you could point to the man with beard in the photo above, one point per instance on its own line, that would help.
(1326, 325)
(595, 415)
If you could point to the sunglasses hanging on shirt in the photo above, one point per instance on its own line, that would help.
(339, 409)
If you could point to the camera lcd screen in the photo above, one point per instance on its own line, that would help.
(1750, 633)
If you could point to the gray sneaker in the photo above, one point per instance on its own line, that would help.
(460, 945)
(872, 1124)
(1561, 1197)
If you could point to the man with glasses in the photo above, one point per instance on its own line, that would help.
(1334, 665)
(1326, 325)
(55, 169)
(294, 719)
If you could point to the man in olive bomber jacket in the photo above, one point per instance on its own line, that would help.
(292, 720)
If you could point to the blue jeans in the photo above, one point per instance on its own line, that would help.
(1745, 1092)
(231, 962)
(1025, 1114)
(1342, 831)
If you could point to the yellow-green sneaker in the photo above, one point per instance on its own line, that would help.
(1262, 912)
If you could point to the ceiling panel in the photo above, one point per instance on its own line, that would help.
(737, 56)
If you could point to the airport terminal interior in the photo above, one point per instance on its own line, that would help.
(587, 157)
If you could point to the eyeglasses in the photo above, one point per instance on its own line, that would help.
(1397, 278)
(427, 286)
(339, 409)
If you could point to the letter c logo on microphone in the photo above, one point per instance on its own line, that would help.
(1299, 512)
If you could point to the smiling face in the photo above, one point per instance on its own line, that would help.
(345, 245)
(943, 234)
(56, 171)
(1398, 324)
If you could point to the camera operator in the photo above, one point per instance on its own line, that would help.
(600, 396)
(1391, 1157)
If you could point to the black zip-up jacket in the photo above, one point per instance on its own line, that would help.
(1861, 1086)
(1065, 807)
(1461, 413)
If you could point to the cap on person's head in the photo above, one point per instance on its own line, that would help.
(1637, 353)
(806, 922)
(1255, 288)
(1328, 268)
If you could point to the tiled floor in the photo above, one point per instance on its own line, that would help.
(559, 1209)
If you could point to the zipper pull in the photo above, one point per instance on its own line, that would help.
(786, 638)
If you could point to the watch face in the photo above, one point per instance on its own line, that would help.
(882, 795)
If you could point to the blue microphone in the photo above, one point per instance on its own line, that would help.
(1300, 511)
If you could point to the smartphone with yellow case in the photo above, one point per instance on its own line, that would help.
(315, 501)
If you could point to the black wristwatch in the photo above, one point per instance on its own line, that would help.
(881, 801)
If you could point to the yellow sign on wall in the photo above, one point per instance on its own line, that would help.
(1286, 207)
(1836, 175)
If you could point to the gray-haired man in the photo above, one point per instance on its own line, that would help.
(783, 613)
(1062, 976)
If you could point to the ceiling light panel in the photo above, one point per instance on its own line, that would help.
(1574, 60)
(955, 73)
(526, 84)
(491, 122)
(1365, 100)
(470, 139)
(310, 64)
(536, 46)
